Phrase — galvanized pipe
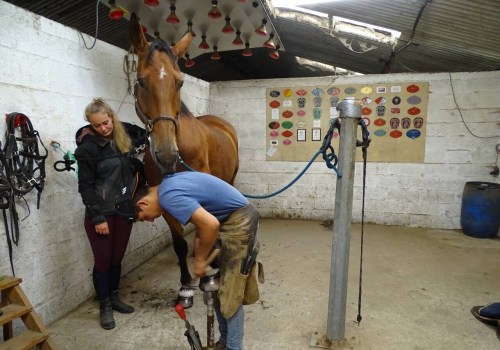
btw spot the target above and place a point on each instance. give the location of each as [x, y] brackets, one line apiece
[210, 321]
[350, 113]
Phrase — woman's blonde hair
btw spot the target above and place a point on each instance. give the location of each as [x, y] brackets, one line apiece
[121, 139]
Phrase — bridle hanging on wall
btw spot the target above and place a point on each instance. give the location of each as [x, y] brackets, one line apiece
[22, 168]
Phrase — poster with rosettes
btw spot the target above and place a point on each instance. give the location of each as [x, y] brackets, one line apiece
[297, 120]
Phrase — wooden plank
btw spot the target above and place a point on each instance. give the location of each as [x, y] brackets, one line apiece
[24, 341]
[33, 322]
[8, 282]
[15, 295]
[12, 311]
[14, 304]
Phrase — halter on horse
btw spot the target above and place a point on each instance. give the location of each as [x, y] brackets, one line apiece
[206, 143]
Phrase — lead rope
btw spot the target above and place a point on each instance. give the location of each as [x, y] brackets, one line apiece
[327, 151]
[364, 151]
[129, 67]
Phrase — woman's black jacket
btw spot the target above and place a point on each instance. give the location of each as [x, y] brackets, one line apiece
[102, 173]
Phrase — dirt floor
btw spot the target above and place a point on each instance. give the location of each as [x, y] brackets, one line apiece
[418, 288]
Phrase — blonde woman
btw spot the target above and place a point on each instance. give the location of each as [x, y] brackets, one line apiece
[103, 171]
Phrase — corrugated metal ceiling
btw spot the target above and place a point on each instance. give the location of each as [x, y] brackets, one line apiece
[451, 35]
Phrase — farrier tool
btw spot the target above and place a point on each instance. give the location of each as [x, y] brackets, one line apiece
[191, 333]
[209, 284]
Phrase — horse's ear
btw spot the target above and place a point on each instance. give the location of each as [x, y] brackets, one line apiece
[182, 45]
[136, 35]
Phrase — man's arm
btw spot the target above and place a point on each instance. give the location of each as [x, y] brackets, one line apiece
[207, 229]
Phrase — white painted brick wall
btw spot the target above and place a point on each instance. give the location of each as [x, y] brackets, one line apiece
[47, 74]
[425, 195]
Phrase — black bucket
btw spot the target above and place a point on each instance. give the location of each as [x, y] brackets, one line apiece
[480, 215]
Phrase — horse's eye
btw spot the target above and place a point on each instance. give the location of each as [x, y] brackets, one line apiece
[141, 83]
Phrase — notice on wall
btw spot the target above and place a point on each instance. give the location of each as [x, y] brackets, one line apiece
[298, 119]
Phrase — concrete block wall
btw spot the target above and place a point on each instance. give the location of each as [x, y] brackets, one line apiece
[48, 74]
[424, 195]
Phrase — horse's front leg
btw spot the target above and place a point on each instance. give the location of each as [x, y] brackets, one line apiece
[180, 248]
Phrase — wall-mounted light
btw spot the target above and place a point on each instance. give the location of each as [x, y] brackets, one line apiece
[261, 30]
[214, 11]
[275, 54]
[237, 40]
[189, 62]
[172, 17]
[116, 12]
[204, 45]
[269, 43]
[227, 27]
[215, 55]
[247, 52]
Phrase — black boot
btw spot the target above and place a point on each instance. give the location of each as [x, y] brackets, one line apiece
[119, 305]
[106, 314]
[114, 282]
[101, 285]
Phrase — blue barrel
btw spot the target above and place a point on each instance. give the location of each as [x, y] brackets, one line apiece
[480, 215]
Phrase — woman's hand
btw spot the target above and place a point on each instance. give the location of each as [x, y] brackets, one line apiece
[102, 228]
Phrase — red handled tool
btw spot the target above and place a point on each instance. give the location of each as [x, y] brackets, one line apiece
[191, 333]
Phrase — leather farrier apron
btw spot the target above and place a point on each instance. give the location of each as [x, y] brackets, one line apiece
[238, 235]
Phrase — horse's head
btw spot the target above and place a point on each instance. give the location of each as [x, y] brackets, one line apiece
[157, 92]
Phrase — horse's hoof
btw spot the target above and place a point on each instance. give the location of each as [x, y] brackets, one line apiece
[185, 297]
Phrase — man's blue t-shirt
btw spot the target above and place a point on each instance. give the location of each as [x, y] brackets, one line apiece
[182, 193]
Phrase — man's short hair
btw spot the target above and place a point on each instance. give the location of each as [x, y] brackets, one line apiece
[139, 194]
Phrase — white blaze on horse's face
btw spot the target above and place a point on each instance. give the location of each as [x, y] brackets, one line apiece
[159, 92]
[162, 72]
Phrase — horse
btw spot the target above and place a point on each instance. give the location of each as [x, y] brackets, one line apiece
[205, 143]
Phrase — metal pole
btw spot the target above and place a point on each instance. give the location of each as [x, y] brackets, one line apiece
[350, 113]
[210, 321]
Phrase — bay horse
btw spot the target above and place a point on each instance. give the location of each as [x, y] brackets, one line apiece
[206, 143]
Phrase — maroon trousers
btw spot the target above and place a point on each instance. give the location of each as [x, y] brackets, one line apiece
[109, 249]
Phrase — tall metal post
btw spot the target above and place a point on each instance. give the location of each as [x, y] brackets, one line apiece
[350, 113]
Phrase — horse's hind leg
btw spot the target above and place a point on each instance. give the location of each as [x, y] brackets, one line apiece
[180, 247]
